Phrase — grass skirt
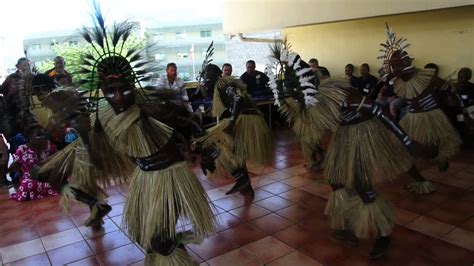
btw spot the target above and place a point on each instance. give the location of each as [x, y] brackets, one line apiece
[251, 140]
[367, 150]
[156, 199]
[335, 208]
[369, 220]
[433, 127]
[178, 258]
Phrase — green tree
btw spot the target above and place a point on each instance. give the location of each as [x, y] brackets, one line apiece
[72, 55]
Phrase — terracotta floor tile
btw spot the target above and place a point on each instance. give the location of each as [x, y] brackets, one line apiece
[268, 249]
[416, 204]
[272, 223]
[430, 227]
[274, 203]
[449, 215]
[50, 215]
[461, 237]
[296, 195]
[117, 220]
[316, 203]
[277, 175]
[226, 221]
[79, 219]
[325, 251]
[78, 208]
[121, 256]
[230, 203]
[295, 258]
[108, 242]
[22, 250]
[117, 209]
[261, 181]
[91, 261]
[234, 258]
[446, 253]
[19, 222]
[281, 165]
[295, 213]
[297, 181]
[249, 212]
[51, 227]
[13, 212]
[20, 235]
[35, 260]
[242, 234]
[261, 194]
[298, 169]
[115, 199]
[276, 188]
[107, 227]
[468, 225]
[213, 246]
[207, 186]
[294, 236]
[217, 193]
[194, 256]
[319, 189]
[403, 216]
[423, 261]
[70, 253]
[61, 239]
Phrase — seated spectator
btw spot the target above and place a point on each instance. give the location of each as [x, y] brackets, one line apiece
[321, 72]
[26, 158]
[367, 84]
[349, 73]
[172, 82]
[59, 72]
[464, 87]
[255, 80]
[227, 70]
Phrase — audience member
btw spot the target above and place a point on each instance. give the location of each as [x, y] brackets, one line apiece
[464, 87]
[321, 72]
[349, 73]
[171, 81]
[226, 70]
[255, 80]
[26, 158]
[367, 84]
[59, 73]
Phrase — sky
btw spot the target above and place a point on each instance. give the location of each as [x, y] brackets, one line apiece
[23, 17]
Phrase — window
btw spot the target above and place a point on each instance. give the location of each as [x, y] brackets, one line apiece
[206, 33]
[182, 55]
[53, 43]
[159, 57]
[180, 35]
[73, 43]
[36, 46]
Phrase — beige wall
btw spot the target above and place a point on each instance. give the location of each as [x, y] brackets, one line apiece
[444, 37]
[246, 16]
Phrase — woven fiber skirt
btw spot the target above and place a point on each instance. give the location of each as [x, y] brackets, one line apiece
[367, 150]
[433, 127]
[156, 200]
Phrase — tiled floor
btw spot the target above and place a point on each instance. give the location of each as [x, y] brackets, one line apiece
[283, 225]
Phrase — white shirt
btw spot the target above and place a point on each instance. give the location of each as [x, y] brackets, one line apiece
[178, 86]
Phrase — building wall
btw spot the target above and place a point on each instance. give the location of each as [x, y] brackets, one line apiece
[444, 37]
[238, 52]
[244, 16]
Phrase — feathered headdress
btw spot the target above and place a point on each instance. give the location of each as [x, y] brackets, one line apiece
[393, 45]
[289, 74]
[108, 60]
